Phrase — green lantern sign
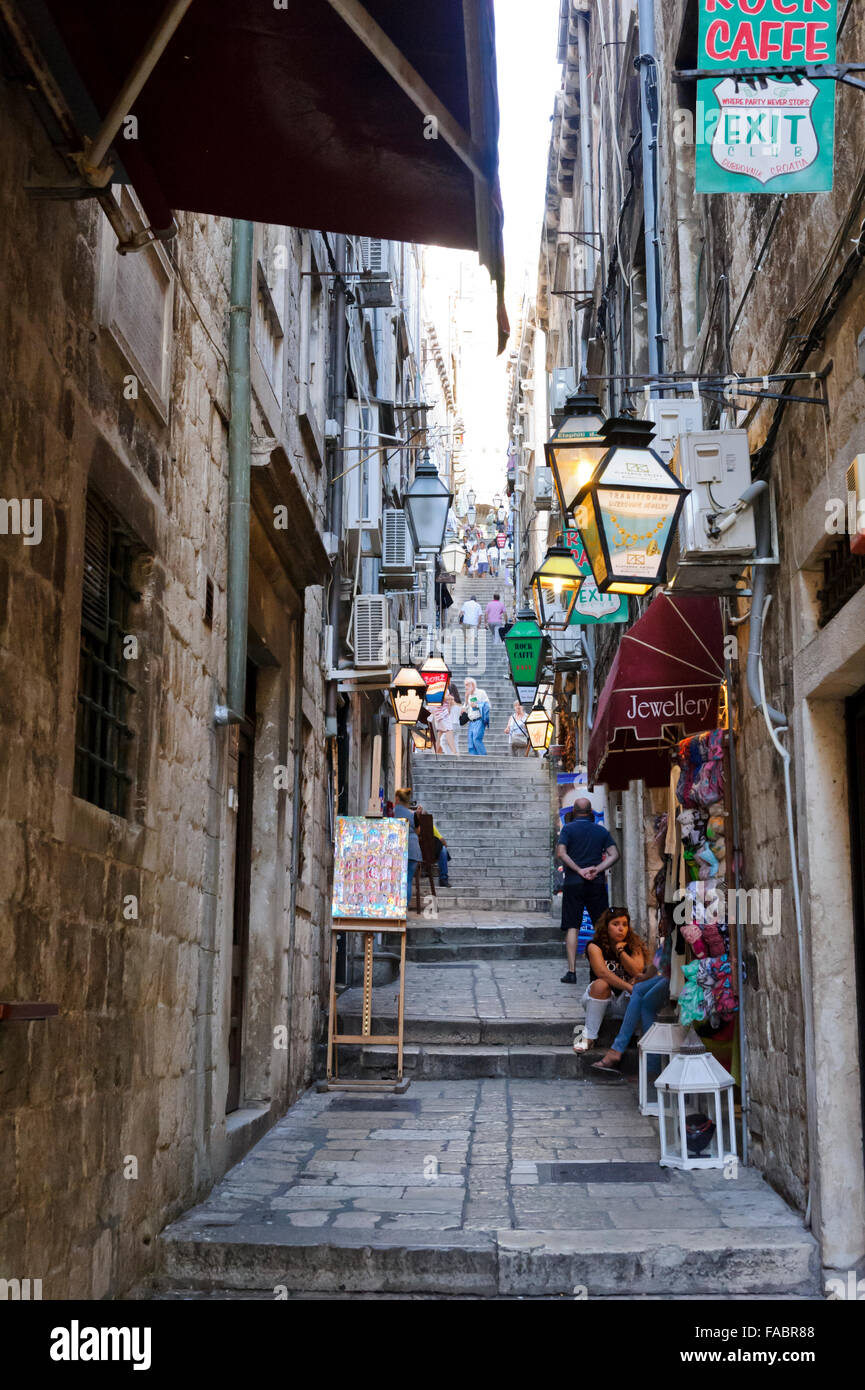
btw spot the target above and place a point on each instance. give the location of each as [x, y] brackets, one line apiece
[524, 644]
[768, 134]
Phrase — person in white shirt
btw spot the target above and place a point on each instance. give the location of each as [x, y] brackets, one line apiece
[471, 612]
[483, 559]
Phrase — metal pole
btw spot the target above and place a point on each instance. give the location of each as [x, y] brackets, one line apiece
[586, 145]
[649, 110]
[238, 470]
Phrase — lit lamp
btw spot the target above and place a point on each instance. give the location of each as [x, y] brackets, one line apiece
[576, 448]
[627, 512]
[539, 727]
[407, 695]
[427, 503]
[436, 674]
[689, 1088]
[421, 737]
[453, 557]
[555, 587]
[524, 644]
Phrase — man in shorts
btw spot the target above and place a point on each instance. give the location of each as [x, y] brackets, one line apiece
[586, 850]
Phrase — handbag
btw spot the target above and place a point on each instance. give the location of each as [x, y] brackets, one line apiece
[464, 719]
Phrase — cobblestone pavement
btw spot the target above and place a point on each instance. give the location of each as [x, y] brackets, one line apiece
[507, 989]
[462, 1157]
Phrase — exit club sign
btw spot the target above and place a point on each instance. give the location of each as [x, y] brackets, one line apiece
[776, 135]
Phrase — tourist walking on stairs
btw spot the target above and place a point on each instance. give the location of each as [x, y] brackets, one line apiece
[587, 850]
[477, 710]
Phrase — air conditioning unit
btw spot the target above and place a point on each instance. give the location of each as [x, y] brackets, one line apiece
[362, 503]
[563, 383]
[856, 504]
[672, 418]
[397, 548]
[544, 489]
[716, 466]
[372, 636]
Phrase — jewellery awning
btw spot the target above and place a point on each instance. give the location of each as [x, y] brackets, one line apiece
[376, 119]
[664, 684]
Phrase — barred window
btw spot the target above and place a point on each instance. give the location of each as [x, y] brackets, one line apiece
[103, 738]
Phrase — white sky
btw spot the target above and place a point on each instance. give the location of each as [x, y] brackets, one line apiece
[528, 76]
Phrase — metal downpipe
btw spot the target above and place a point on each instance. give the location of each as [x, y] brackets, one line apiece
[337, 457]
[649, 98]
[239, 390]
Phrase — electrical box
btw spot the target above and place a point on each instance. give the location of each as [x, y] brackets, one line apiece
[672, 418]
[371, 630]
[563, 383]
[397, 548]
[716, 466]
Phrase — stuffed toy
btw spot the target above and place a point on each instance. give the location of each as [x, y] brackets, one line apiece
[692, 1004]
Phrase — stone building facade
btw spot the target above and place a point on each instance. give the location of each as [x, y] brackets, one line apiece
[750, 285]
[165, 879]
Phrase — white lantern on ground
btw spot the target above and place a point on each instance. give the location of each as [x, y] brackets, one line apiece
[663, 1040]
[689, 1099]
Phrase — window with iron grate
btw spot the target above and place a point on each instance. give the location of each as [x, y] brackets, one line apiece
[103, 738]
[843, 576]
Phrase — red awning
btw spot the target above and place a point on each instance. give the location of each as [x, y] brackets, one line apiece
[663, 684]
[315, 114]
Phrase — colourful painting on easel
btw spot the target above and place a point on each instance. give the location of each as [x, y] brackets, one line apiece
[370, 868]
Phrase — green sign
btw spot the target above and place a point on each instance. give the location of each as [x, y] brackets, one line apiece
[775, 134]
[524, 643]
[591, 606]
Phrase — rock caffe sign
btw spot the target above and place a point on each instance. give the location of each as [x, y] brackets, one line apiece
[776, 137]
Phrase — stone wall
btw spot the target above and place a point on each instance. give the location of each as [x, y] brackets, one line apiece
[113, 1113]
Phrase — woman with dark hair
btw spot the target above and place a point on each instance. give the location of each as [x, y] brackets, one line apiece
[617, 960]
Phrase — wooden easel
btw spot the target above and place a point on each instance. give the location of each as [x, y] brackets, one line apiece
[366, 1036]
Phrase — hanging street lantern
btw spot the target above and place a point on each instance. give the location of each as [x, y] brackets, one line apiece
[555, 587]
[576, 448]
[470, 497]
[421, 737]
[427, 503]
[524, 644]
[407, 695]
[471, 514]
[539, 727]
[627, 513]
[453, 557]
[436, 674]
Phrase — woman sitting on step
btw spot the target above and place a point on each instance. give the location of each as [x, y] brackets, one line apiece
[617, 960]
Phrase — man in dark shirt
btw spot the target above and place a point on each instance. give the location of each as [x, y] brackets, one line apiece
[586, 850]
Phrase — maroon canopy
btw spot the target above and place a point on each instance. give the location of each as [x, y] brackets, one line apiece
[294, 115]
[663, 685]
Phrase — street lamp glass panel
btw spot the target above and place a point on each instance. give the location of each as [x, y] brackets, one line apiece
[576, 449]
[453, 557]
[627, 514]
[540, 728]
[471, 516]
[427, 503]
[555, 587]
[470, 497]
[407, 695]
[436, 675]
[524, 644]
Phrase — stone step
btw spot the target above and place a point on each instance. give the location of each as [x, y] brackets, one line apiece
[450, 899]
[455, 1033]
[421, 934]
[530, 1062]
[514, 950]
[761, 1261]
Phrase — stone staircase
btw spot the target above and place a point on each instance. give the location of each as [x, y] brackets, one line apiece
[493, 811]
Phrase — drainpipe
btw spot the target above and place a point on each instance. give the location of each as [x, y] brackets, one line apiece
[776, 725]
[648, 66]
[240, 309]
[295, 825]
[583, 23]
[337, 464]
